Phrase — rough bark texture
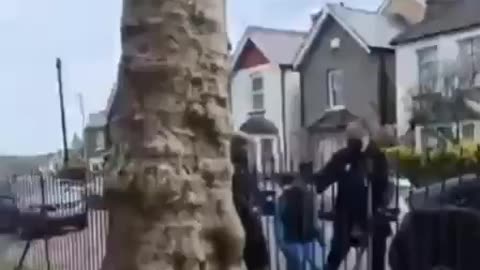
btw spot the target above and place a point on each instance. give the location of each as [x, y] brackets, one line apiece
[168, 183]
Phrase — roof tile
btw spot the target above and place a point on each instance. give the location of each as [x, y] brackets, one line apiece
[457, 15]
[278, 45]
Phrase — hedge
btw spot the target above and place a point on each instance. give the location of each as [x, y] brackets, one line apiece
[435, 165]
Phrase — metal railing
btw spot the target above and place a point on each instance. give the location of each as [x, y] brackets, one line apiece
[417, 203]
[83, 246]
[76, 223]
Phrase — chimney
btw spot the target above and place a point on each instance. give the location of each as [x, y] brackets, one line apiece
[315, 16]
[436, 8]
[413, 11]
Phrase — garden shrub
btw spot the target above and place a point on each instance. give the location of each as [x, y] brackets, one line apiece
[435, 165]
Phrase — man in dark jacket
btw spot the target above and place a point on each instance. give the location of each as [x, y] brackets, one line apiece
[255, 253]
[355, 167]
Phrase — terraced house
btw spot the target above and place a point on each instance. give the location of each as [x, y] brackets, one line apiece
[438, 73]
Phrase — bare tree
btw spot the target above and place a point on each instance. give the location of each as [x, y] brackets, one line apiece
[168, 184]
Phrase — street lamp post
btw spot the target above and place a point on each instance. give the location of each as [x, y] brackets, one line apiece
[62, 111]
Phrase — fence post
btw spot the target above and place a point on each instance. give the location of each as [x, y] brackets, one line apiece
[462, 170]
[477, 161]
[44, 213]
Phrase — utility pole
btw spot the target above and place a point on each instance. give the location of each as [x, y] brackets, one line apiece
[82, 112]
[82, 108]
[62, 111]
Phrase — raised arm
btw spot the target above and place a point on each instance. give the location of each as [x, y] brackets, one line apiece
[328, 175]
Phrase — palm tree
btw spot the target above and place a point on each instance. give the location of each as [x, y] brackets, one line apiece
[168, 185]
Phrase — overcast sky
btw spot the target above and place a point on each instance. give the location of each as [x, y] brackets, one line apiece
[85, 34]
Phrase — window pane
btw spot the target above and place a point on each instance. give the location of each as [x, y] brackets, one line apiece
[424, 137]
[267, 154]
[428, 77]
[258, 101]
[476, 79]
[100, 141]
[335, 87]
[468, 131]
[257, 83]
[465, 47]
[427, 68]
[267, 148]
[447, 132]
[476, 45]
[339, 88]
[427, 55]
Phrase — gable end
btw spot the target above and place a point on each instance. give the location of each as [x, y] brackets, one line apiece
[250, 57]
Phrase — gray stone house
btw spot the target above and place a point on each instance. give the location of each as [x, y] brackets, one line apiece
[347, 71]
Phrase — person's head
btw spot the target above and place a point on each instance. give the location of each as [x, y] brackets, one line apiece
[412, 124]
[357, 135]
[238, 151]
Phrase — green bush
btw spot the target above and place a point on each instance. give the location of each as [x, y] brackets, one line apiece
[436, 165]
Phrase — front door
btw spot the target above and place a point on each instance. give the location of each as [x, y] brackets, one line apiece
[268, 159]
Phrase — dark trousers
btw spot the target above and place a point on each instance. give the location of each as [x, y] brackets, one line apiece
[341, 243]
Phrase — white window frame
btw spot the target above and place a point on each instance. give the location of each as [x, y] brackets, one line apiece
[335, 101]
[465, 123]
[100, 141]
[418, 136]
[275, 148]
[272, 145]
[258, 92]
[419, 130]
[425, 61]
[473, 54]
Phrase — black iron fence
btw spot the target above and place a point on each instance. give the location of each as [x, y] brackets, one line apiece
[56, 223]
[434, 202]
[68, 224]
[315, 254]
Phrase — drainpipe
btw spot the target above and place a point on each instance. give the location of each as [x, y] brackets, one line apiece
[283, 70]
[302, 98]
[383, 95]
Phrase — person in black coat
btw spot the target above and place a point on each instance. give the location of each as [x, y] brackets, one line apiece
[352, 167]
[244, 188]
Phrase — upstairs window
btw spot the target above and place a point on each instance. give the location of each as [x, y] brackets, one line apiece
[258, 102]
[427, 69]
[335, 87]
[100, 141]
[469, 57]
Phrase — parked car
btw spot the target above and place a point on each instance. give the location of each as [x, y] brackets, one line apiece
[65, 210]
[459, 192]
[8, 214]
[442, 228]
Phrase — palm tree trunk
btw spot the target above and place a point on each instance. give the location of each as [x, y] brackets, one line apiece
[168, 183]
